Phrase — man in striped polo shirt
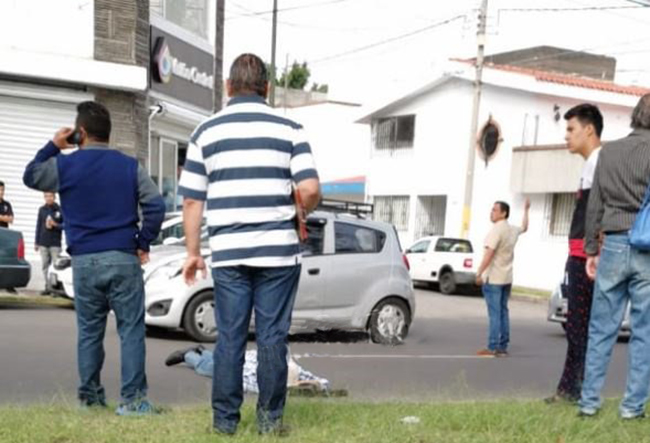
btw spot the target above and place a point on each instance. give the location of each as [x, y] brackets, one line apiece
[243, 163]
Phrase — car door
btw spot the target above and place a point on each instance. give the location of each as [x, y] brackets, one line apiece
[315, 271]
[356, 267]
[417, 257]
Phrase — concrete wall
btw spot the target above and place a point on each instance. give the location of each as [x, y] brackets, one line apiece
[122, 36]
[61, 27]
[340, 146]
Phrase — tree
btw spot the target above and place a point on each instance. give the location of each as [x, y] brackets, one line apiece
[324, 88]
[297, 77]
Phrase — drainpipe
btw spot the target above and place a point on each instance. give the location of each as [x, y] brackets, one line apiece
[157, 109]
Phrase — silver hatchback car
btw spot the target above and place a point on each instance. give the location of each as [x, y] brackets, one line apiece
[354, 277]
[558, 307]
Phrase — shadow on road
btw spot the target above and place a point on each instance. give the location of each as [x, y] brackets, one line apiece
[331, 336]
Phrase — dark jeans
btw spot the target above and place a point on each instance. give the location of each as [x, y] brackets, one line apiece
[496, 298]
[271, 293]
[105, 281]
[579, 291]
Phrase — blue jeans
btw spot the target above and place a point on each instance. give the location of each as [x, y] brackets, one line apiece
[203, 363]
[271, 293]
[496, 298]
[623, 274]
[105, 281]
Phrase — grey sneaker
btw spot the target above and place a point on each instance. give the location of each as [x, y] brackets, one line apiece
[136, 408]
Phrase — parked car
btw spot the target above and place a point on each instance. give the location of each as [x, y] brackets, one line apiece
[448, 262]
[171, 233]
[354, 277]
[558, 306]
[15, 271]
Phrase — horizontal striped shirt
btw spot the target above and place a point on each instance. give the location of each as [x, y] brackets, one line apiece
[620, 182]
[242, 162]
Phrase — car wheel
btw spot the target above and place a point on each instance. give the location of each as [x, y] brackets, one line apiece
[198, 320]
[447, 283]
[389, 322]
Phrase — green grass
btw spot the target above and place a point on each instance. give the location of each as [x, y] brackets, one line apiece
[328, 421]
[531, 292]
[33, 300]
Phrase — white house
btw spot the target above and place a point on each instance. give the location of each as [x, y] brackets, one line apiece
[419, 150]
[339, 145]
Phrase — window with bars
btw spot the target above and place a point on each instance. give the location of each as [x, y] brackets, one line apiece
[393, 133]
[560, 212]
[393, 209]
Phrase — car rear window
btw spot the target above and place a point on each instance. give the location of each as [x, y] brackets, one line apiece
[353, 239]
[453, 245]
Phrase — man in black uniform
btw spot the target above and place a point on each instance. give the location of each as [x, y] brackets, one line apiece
[6, 212]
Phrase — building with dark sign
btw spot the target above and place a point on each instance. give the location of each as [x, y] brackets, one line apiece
[151, 62]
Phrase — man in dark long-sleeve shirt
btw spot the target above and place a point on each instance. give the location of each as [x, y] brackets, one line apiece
[48, 235]
[101, 191]
[622, 273]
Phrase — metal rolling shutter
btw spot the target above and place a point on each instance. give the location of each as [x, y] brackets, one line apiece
[26, 124]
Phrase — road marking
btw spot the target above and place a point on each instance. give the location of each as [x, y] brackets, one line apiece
[397, 356]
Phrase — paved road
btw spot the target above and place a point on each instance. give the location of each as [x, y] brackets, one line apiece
[37, 357]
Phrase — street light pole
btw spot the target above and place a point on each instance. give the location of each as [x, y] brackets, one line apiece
[471, 155]
[275, 29]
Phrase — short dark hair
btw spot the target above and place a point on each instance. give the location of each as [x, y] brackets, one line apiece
[95, 119]
[2, 184]
[641, 113]
[587, 114]
[248, 75]
[505, 207]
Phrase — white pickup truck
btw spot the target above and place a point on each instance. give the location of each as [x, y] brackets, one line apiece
[447, 261]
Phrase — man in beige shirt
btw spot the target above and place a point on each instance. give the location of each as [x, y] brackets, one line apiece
[495, 276]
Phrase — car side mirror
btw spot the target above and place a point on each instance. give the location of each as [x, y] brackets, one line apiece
[408, 251]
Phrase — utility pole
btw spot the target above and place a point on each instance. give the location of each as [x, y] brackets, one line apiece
[471, 155]
[273, 38]
[218, 57]
[286, 82]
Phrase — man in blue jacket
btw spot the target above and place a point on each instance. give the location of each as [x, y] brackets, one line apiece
[101, 190]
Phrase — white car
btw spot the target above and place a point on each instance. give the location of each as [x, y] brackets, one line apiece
[447, 261]
[354, 277]
[171, 233]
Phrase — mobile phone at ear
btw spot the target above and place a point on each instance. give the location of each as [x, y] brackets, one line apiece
[74, 138]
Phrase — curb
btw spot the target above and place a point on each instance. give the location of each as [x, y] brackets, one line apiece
[540, 300]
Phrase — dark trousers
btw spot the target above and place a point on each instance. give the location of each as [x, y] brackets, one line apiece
[579, 290]
[270, 292]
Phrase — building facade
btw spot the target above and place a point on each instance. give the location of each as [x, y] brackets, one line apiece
[152, 64]
[419, 149]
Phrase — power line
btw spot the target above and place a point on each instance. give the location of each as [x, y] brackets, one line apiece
[388, 40]
[584, 8]
[290, 8]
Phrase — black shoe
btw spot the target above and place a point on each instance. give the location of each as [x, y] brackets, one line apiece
[178, 357]
[560, 398]
[45, 292]
[11, 290]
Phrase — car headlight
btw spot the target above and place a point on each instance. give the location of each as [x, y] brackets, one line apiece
[168, 270]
